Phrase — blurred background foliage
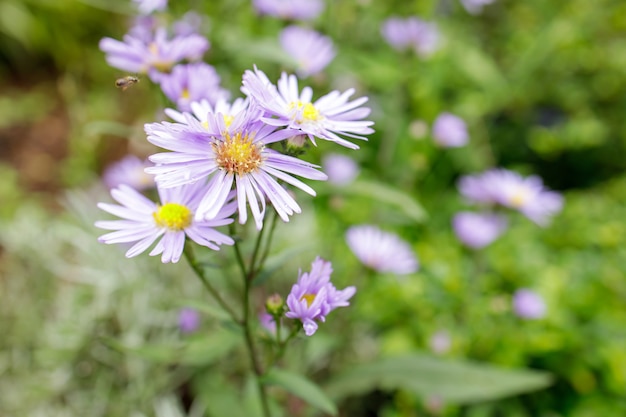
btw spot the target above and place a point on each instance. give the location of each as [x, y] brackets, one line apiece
[542, 86]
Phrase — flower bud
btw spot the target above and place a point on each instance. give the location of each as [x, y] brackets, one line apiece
[275, 305]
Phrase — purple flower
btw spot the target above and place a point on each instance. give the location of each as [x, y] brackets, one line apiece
[202, 109]
[192, 82]
[412, 32]
[144, 28]
[381, 251]
[528, 304]
[188, 25]
[509, 189]
[230, 152]
[450, 131]
[144, 221]
[310, 50]
[475, 6]
[268, 322]
[130, 171]
[188, 320]
[148, 6]
[440, 342]
[477, 230]
[290, 9]
[313, 296]
[154, 57]
[341, 170]
[326, 118]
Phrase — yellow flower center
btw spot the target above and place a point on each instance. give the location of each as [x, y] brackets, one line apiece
[307, 111]
[174, 216]
[237, 154]
[185, 94]
[228, 119]
[309, 299]
[518, 198]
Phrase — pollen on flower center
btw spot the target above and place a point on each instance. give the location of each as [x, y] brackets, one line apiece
[309, 299]
[518, 199]
[173, 216]
[237, 154]
[304, 112]
[185, 94]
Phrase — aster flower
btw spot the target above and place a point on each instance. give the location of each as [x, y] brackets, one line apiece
[326, 118]
[155, 56]
[412, 32]
[268, 322]
[477, 230]
[381, 251]
[201, 110]
[130, 171]
[313, 296]
[189, 24]
[170, 222]
[528, 304]
[192, 82]
[450, 131]
[188, 320]
[475, 6]
[310, 50]
[290, 9]
[341, 170]
[148, 6]
[509, 189]
[230, 152]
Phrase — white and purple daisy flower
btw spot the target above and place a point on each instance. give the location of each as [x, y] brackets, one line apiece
[527, 304]
[192, 82]
[450, 131]
[341, 169]
[477, 230]
[170, 222]
[381, 251]
[326, 118]
[230, 152]
[130, 171]
[412, 32]
[203, 108]
[313, 296]
[188, 320]
[146, 7]
[310, 50]
[509, 189]
[290, 9]
[153, 57]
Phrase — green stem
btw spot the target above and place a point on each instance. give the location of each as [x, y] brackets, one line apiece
[199, 270]
[268, 244]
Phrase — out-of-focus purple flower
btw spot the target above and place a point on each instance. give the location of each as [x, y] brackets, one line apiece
[170, 222]
[290, 9]
[326, 118]
[450, 131]
[143, 28]
[528, 304]
[230, 152]
[412, 32]
[341, 169]
[148, 6]
[188, 25]
[310, 50]
[313, 296]
[509, 189]
[477, 230]
[440, 342]
[188, 320]
[193, 82]
[154, 57]
[381, 251]
[475, 6]
[268, 322]
[130, 171]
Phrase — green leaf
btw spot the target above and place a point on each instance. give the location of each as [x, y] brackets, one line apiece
[195, 351]
[384, 193]
[453, 381]
[302, 388]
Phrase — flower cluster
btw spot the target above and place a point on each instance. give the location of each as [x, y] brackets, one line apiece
[314, 296]
[422, 36]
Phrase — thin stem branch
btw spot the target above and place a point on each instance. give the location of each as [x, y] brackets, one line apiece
[268, 244]
[199, 270]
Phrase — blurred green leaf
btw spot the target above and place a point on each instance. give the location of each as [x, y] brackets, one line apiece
[205, 308]
[302, 388]
[196, 351]
[456, 382]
